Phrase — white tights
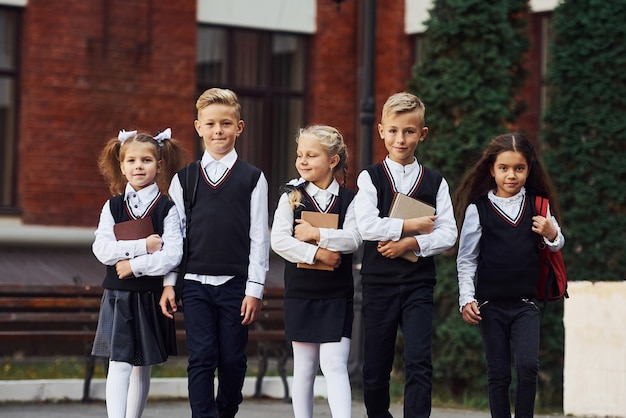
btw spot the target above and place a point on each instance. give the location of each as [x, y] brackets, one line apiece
[127, 388]
[333, 360]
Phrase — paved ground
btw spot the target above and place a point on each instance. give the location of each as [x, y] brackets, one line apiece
[251, 408]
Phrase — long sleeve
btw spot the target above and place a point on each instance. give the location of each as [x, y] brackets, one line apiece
[109, 250]
[345, 240]
[259, 239]
[559, 242]
[165, 260]
[370, 224]
[467, 257]
[176, 194]
[444, 234]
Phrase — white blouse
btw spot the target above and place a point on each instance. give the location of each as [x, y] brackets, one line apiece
[345, 240]
[108, 250]
[467, 257]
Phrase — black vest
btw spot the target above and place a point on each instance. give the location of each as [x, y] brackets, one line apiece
[219, 232]
[382, 270]
[158, 212]
[321, 284]
[508, 263]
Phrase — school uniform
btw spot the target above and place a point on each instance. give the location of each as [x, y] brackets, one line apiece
[131, 327]
[228, 259]
[397, 292]
[498, 268]
[318, 305]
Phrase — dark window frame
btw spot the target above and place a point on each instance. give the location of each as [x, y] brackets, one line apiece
[268, 96]
[8, 184]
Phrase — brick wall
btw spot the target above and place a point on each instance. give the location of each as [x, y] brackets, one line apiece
[336, 66]
[332, 66]
[91, 68]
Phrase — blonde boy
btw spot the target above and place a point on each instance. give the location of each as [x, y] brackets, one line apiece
[397, 292]
[227, 257]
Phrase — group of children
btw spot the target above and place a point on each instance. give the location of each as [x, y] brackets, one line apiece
[226, 254]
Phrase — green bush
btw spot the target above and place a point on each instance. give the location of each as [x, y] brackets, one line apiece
[469, 78]
[584, 138]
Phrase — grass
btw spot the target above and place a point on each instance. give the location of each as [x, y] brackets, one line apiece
[75, 368]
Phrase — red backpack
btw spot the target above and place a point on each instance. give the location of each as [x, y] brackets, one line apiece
[552, 284]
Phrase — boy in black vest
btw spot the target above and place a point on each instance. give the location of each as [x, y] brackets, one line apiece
[397, 292]
[227, 257]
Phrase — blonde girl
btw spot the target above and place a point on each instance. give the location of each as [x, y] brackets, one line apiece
[132, 332]
[318, 303]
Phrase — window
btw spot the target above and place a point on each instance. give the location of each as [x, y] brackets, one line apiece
[8, 81]
[267, 71]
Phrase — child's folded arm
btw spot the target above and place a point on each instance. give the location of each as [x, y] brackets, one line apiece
[370, 225]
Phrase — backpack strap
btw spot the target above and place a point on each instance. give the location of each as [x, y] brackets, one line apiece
[541, 206]
[192, 172]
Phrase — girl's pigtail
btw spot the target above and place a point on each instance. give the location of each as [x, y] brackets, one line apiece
[294, 197]
[109, 166]
[173, 158]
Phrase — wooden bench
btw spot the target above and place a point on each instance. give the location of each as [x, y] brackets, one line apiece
[268, 332]
[45, 320]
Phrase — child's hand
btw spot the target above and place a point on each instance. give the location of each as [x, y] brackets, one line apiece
[154, 243]
[250, 309]
[544, 227]
[393, 249]
[471, 313]
[168, 302]
[304, 231]
[123, 269]
[330, 258]
[422, 225]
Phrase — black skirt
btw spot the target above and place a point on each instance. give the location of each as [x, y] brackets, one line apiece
[132, 328]
[318, 320]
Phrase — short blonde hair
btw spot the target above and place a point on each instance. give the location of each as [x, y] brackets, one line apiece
[403, 103]
[219, 96]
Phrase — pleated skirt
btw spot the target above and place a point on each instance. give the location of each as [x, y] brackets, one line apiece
[132, 329]
[318, 320]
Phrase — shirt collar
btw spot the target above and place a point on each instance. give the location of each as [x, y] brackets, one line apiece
[228, 160]
[333, 189]
[397, 167]
[513, 200]
[144, 195]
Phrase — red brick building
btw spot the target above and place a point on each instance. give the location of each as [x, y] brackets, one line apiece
[74, 72]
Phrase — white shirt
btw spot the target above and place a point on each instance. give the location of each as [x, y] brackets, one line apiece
[373, 227]
[259, 233]
[345, 240]
[471, 232]
[109, 250]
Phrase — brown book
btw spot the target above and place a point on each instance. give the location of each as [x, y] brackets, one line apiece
[134, 229]
[319, 220]
[405, 207]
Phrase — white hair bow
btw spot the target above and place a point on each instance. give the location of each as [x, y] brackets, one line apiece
[162, 136]
[123, 135]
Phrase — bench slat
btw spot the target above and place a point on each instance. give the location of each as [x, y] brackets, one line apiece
[43, 303]
[44, 317]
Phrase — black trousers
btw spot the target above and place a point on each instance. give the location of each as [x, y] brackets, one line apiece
[215, 340]
[508, 329]
[385, 308]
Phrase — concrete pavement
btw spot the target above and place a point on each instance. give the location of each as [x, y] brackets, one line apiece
[250, 408]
